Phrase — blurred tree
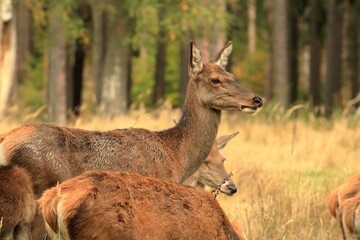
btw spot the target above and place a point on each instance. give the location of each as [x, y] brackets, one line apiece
[15, 38]
[98, 47]
[8, 52]
[281, 53]
[316, 24]
[77, 58]
[333, 55]
[251, 26]
[114, 94]
[160, 65]
[210, 33]
[269, 85]
[57, 64]
[353, 48]
[294, 9]
[23, 20]
[183, 71]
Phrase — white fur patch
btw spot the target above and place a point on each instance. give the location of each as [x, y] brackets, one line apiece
[3, 161]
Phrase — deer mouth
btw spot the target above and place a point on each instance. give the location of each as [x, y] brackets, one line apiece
[248, 109]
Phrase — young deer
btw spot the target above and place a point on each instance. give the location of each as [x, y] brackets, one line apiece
[17, 203]
[51, 153]
[212, 172]
[113, 205]
[343, 205]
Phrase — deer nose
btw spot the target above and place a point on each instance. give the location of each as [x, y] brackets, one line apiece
[232, 189]
[258, 101]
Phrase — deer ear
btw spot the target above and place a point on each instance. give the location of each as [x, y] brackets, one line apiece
[196, 64]
[222, 58]
[223, 140]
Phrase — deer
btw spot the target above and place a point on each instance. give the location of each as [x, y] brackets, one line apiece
[212, 172]
[54, 154]
[17, 203]
[120, 205]
[343, 204]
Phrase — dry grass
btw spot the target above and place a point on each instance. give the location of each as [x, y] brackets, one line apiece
[284, 168]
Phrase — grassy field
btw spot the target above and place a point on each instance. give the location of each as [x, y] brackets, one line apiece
[284, 167]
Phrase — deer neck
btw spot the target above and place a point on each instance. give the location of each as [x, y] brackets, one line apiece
[192, 138]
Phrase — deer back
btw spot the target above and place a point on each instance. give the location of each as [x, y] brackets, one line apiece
[108, 205]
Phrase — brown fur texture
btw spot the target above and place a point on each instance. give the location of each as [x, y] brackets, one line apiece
[53, 154]
[110, 205]
[343, 205]
[17, 203]
[333, 202]
[212, 172]
[238, 228]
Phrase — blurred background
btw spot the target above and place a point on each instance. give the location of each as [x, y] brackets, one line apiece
[71, 57]
[106, 64]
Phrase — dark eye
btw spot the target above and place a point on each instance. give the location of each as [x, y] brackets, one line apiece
[215, 81]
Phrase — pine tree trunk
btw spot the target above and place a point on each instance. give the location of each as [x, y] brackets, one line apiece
[184, 64]
[281, 53]
[77, 76]
[251, 26]
[23, 38]
[353, 49]
[315, 53]
[98, 49]
[333, 56]
[8, 50]
[293, 50]
[161, 45]
[114, 95]
[269, 87]
[210, 43]
[57, 67]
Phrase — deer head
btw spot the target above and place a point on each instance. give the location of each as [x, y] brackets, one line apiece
[217, 88]
[212, 172]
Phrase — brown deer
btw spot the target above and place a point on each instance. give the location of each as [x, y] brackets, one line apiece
[17, 203]
[238, 228]
[53, 154]
[113, 205]
[212, 172]
[343, 205]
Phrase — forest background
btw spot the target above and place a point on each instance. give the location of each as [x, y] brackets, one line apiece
[106, 64]
[61, 58]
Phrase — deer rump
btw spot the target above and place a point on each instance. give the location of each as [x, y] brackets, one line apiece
[109, 205]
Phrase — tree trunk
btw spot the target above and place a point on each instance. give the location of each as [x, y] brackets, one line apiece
[77, 76]
[184, 65]
[293, 50]
[333, 57]
[161, 45]
[251, 26]
[8, 50]
[114, 95]
[315, 53]
[281, 53]
[57, 67]
[269, 87]
[353, 49]
[23, 38]
[98, 49]
[208, 42]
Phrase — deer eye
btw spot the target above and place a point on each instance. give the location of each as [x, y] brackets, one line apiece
[215, 81]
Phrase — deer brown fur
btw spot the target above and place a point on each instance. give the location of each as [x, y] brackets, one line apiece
[212, 172]
[111, 205]
[343, 204]
[17, 203]
[53, 153]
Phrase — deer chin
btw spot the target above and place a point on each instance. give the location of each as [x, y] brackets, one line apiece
[226, 191]
[247, 109]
